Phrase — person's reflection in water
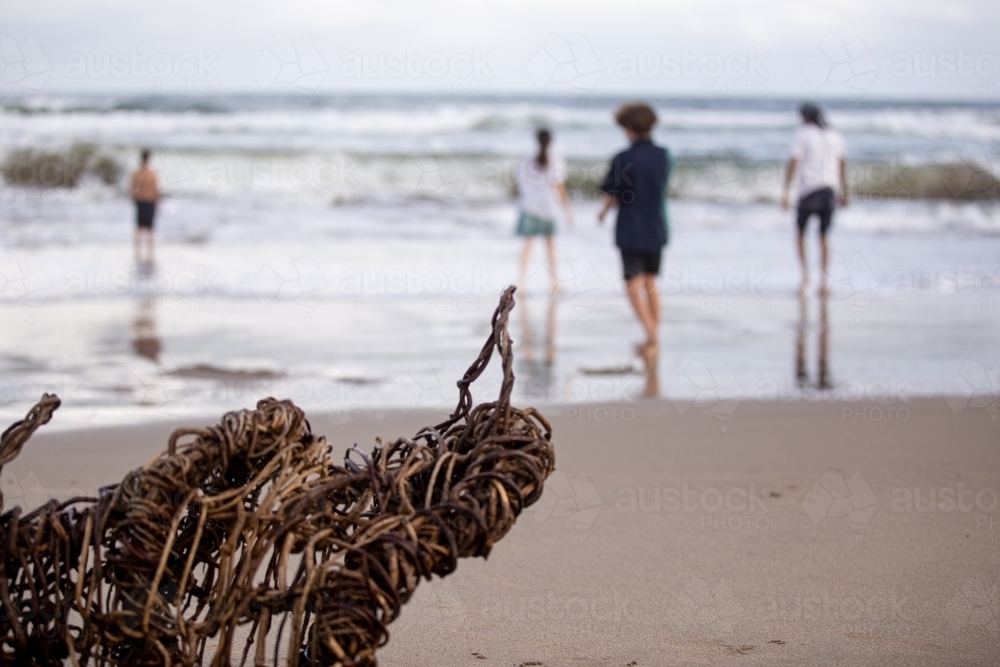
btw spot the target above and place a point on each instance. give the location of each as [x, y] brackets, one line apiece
[822, 345]
[145, 342]
[824, 339]
[538, 355]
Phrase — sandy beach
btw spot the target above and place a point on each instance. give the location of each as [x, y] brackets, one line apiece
[755, 255]
[806, 533]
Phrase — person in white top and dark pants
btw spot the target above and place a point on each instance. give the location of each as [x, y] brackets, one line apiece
[819, 158]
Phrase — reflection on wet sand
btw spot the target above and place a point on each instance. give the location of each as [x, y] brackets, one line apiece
[538, 353]
[145, 342]
[651, 361]
[802, 375]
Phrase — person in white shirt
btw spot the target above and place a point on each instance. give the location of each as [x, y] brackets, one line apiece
[819, 157]
[541, 185]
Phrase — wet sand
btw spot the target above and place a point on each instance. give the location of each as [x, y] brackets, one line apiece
[808, 533]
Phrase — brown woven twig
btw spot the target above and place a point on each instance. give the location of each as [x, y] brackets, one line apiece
[244, 543]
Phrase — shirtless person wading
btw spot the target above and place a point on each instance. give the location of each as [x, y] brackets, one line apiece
[145, 192]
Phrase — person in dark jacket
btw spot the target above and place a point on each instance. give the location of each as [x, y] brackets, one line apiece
[636, 183]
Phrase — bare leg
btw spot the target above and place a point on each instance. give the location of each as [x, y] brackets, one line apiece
[137, 254]
[824, 260]
[641, 307]
[653, 295]
[802, 262]
[525, 256]
[550, 247]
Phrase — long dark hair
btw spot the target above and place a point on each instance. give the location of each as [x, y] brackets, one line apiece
[544, 139]
[813, 114]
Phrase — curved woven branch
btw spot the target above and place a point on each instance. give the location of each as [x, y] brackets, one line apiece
[245, 543]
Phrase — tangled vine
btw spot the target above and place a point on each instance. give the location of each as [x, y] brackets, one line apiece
[244, 541]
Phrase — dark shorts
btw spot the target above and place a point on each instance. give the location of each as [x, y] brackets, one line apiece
[819, 203]
[144, 211]
[640, 263]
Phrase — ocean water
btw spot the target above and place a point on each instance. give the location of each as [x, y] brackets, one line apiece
[347, 252]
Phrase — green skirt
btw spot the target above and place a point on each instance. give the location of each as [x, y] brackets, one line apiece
[529, 225]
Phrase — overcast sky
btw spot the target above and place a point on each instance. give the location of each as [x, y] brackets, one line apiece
[910, 48]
